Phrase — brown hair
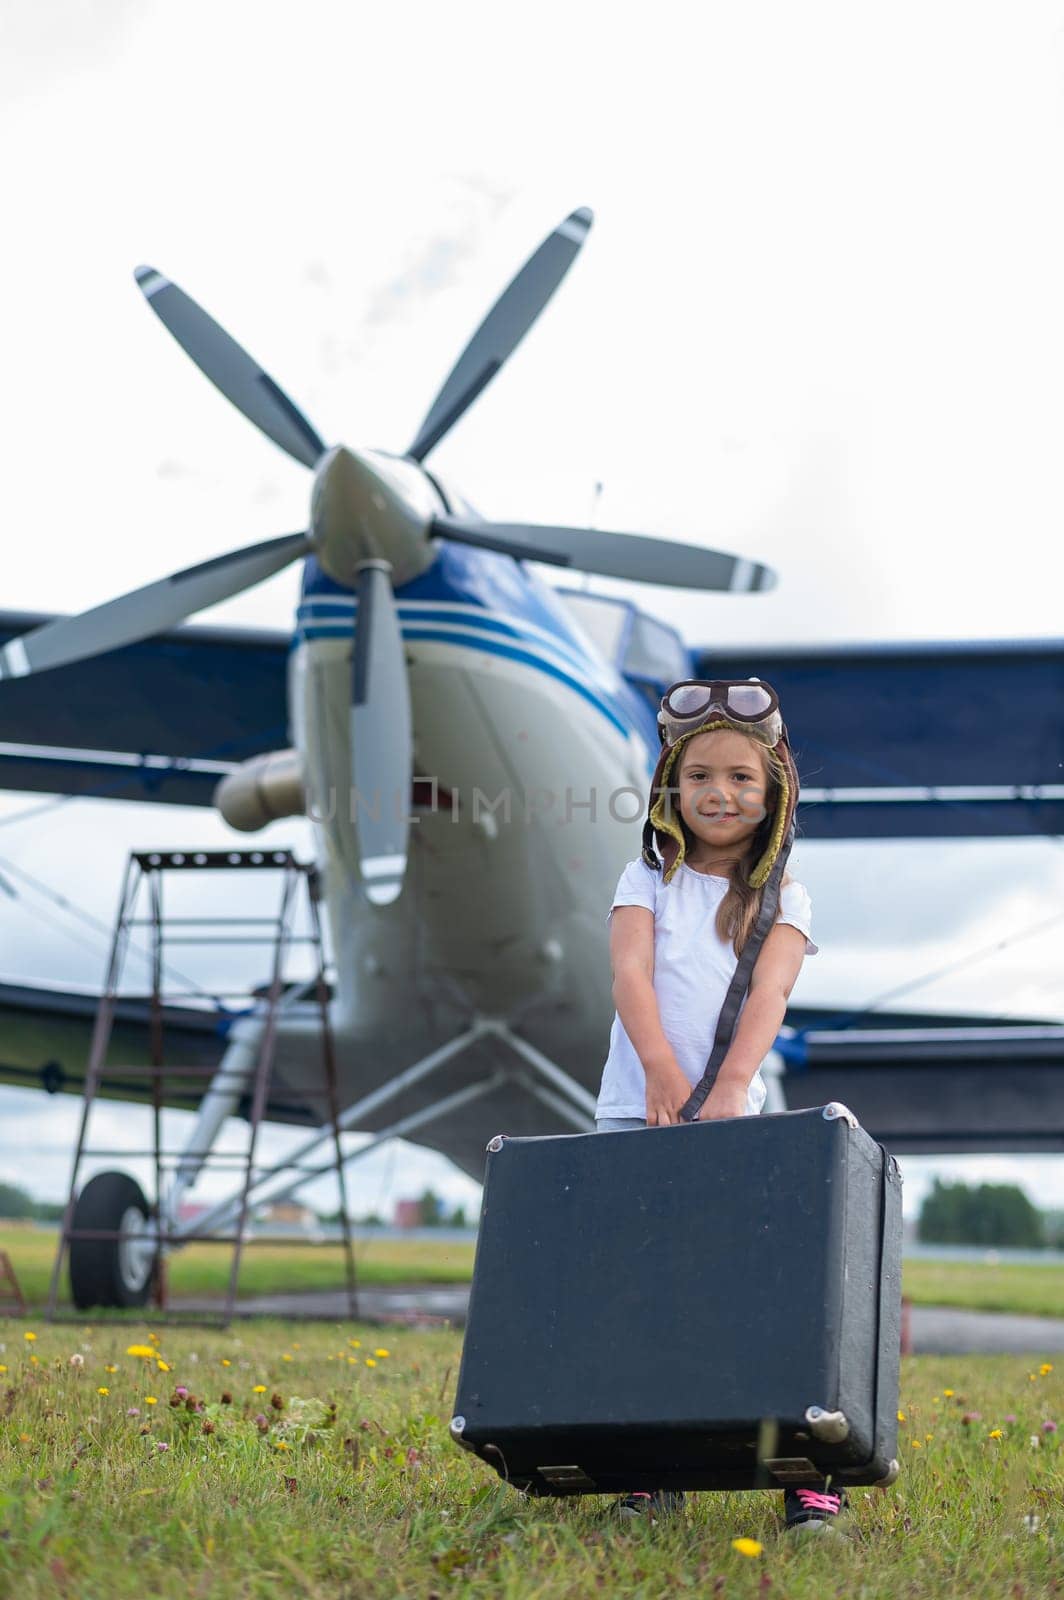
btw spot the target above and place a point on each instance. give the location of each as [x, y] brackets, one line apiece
[738, 911]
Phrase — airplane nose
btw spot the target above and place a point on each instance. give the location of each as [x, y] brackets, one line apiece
[368, 506]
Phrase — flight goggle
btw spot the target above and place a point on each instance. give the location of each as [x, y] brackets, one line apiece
[747, 702]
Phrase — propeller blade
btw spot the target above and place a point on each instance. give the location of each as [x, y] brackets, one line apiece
[503, 329]
[150, 610]
[382, 762]
[230, 368]
[613, 555]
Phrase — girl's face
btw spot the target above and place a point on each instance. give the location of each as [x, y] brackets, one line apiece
[722, 784]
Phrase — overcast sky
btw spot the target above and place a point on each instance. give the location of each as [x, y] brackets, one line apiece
[818, 322]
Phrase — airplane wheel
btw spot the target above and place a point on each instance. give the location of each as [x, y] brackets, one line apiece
[112, 1272]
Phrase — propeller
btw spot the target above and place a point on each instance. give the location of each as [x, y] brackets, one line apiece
[502, 329]
[153, 609]
[363, 510]
[382, 765]
[613, 555]
[230, 368]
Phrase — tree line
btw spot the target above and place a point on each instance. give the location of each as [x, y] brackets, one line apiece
[990, 1214]
[987, 1214]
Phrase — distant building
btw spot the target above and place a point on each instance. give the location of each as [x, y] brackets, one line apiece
[287, 1216]
[407, 1214]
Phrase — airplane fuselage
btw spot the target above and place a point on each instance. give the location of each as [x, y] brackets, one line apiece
[532, 757]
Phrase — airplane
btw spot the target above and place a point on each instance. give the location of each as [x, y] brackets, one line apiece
[473, 747]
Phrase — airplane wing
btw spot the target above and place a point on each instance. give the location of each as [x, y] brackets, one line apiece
[162, 720]
[911, 740]
[1000, 1081]
[46, 1034]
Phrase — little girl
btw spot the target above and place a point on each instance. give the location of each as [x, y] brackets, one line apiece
[721, 809]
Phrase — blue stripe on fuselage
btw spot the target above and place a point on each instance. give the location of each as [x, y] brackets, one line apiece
[497, 583]
[489, 646]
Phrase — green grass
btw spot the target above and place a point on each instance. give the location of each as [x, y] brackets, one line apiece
[1033, 1290]
[204, 1270]
[381, 1504]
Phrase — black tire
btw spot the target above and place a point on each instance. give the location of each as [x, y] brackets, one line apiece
[101, 1270]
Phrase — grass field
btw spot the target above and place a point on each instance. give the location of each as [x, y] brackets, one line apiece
[1005, 1286]
[203, 1269]
[108, 1490]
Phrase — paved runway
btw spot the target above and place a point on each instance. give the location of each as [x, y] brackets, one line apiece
[935, 1330]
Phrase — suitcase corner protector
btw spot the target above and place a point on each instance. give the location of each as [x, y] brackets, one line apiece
[835, 1111]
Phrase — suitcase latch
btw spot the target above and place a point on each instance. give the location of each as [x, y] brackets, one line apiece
[566, 1477]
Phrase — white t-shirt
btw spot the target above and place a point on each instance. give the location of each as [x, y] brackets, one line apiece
[693, 967]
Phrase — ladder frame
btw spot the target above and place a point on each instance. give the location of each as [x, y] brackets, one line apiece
[144, 874]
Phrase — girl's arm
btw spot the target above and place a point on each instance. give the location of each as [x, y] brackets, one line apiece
[632, 964]
[775, 972]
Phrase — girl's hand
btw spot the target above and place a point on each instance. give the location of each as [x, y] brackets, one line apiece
[723, 1100]
[667, 1091]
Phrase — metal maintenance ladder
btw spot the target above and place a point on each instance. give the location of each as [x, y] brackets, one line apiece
[159, 1084]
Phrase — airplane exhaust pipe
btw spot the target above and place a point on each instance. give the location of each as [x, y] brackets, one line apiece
[262, 790]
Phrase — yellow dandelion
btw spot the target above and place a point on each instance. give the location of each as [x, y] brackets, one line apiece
[929, 1437]
[2, 1367]
[143, 1350]
[901, 1416]
[34, 1361]
[356, 1344]
[103, 1391]
[916, 1444]
[370, 1361]
[110, 1369]
[352, 1361]
[747, 1547]
[29, 1337]
[1032, 1377]
[287, 1357]
[282, 1444]
[150, 1400]
[948, 1393]
[1046, 1368]
[24, 1438]
[995, 1433]
[382, 1352]
[162, 1365]
[226, 1363]
[260, 1388]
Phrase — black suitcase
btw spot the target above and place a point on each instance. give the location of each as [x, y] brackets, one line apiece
[710, 1306]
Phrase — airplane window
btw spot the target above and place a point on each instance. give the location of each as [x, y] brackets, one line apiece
[601, 619]
[654, 651]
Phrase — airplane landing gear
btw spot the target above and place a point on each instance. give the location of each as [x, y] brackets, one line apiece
[116, 1271]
